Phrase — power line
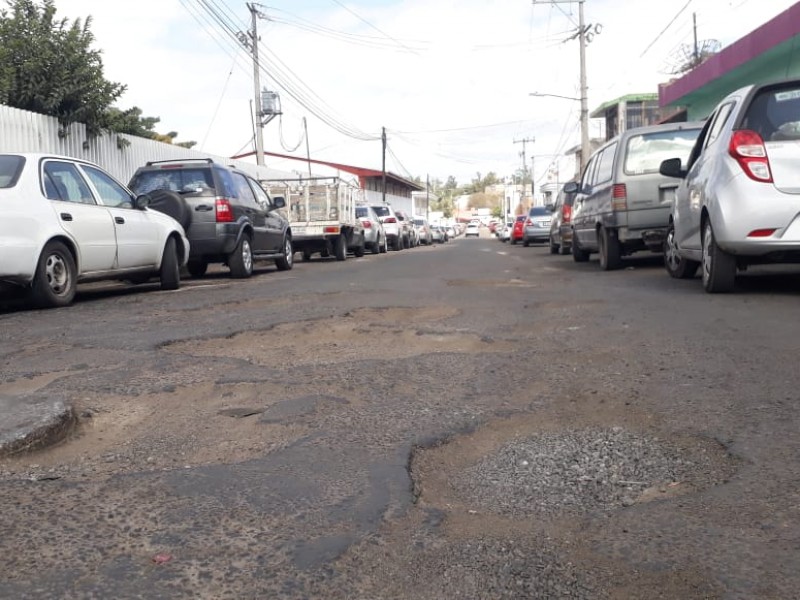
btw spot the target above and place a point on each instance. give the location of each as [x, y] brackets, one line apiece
[359, 17]
[663, 31]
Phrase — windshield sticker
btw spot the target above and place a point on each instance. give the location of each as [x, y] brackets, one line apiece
[784, 96]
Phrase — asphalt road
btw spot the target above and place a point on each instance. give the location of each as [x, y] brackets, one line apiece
[470, 420]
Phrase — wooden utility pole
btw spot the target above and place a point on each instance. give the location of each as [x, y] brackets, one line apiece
[257, 84]
[383, 168]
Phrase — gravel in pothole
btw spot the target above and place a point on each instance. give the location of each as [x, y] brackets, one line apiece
[578, 470]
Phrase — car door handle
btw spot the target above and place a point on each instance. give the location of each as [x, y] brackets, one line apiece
[119, 220]
[66, 217]
[203, 208]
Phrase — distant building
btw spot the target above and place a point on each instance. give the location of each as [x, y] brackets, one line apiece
[632, 110]
[769, 53]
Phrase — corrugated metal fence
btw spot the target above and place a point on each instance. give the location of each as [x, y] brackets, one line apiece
[23, 131]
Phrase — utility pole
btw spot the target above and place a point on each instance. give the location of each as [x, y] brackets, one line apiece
[581, 34]
[525, 141]
[254, 14]
[696, 51]
[427, 198]
[383, 168]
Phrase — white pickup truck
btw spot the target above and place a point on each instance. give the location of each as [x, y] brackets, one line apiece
[322, 215]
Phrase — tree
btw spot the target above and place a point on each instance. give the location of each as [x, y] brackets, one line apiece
[50, 67]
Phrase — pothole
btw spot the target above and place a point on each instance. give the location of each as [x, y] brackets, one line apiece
[580, 470]
[359, 335]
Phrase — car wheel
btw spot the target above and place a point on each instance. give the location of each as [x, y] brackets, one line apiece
[677, 266]
[340, 248]
[171, 204]
[376, 247]
[719, 267]
[512, 241]
[563, 249]
[56, 277]
[170, 273]
[197, 268]
[554, 248]
[240, 262]
[385, 246]
[608, 249]
[398, 244]
[526, 242]
[578, 254]
[286, 262]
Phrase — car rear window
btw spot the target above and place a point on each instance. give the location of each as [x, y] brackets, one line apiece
[539, 211]
[190, 181]
[646, 151]
[361, 212]
[10, 169]
[381, 211]
[520, 218]
[774, 113]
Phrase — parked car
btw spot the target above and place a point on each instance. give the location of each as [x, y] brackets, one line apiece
[227, 215]
[561, 224]
[423, 231]
[622, 202]
[437, 234]
[517, 229]
[738, 202]
[537, 226]
[391, 225]
[472, 229]
[374, 236]
[407, 228]
[505, 231]
[64, 221]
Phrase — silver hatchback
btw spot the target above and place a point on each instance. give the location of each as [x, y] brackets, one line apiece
[739, 199]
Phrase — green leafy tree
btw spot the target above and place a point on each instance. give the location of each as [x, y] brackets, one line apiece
[50, 67]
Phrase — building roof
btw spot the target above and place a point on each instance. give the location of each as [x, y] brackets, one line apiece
[598, 112]
[762, 55]
[361, 172]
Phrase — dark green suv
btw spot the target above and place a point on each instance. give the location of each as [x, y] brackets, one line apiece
[227, 215]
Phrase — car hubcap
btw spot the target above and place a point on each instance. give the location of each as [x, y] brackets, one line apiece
[247, 255]
[671, 254]
[57, 274]
[287, 250]
[708, 240]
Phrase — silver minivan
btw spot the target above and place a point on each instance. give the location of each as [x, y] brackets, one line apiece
[622, 202]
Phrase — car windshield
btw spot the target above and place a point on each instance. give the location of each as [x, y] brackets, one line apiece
[775, 114]
[382, 211]
[10, 168]
[175, 180]
[647, 151]
[539, 211]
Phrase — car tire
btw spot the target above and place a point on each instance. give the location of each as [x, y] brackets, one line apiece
[197, 268]
[240, 261]
[398, 244]
[609, 249]
[170, 273]
[171, 204]
[554, 248]
[385, 246]
[512, 241]
[286, 261]
[563, 249]
[578, 254]
[340, 247]
[375, 247]
[526, 242]
[719, 267]
[677, 266]
[56, 277]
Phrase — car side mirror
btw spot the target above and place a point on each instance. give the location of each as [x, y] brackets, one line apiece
[278, 202]
[141, 201]
[672, 168]
[570, 187]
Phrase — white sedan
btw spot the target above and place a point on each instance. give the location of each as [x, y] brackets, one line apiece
[473, 229]
[65, 221]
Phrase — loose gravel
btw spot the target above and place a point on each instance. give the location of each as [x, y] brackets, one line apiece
[576, 471]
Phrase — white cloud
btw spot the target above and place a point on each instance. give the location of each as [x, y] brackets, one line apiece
[430, 65]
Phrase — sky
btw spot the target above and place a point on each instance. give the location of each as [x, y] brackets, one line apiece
[450, 80]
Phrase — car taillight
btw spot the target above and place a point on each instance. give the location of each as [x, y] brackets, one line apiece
[747, 147]
[619, 197]
[224, 211]
[528, 222]
[367, 224]
[390, 220]
[566, 214]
